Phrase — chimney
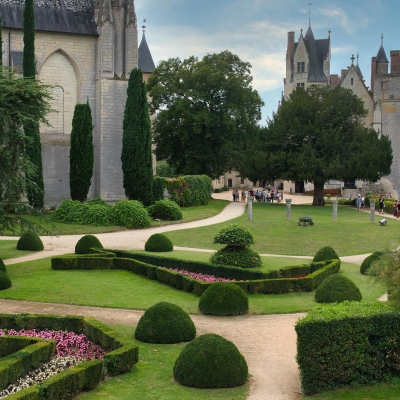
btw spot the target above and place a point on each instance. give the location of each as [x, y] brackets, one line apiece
[334, 80]
[373, 73]
[290, 53]
[395, 62]
[343, 72]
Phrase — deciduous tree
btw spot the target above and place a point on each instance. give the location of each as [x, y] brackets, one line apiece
[35, 193]
[206, 110]
[317, 135]
[81, 156]
[136, 154]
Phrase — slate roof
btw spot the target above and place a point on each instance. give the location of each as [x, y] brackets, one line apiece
[381, 56]
[50, 19]
[317, 52]
[145, 62]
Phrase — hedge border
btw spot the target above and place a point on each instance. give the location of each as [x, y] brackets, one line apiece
[85, 376]
[269, 283]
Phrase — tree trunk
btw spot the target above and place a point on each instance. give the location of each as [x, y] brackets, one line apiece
[318, 194]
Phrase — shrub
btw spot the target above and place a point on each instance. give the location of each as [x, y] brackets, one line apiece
[96, 214]
[222, 298]
[5, 281]
[66, 210]
[158, 243]
[367, 263]
[236, 256]
[165, 210]
[165, 323]
[97, 201]
[305, 218]
[30, 241]
[131, 214]
[85, 243]
[326, 253]
[210, 361]
[2, 266]
[336, 289]
[234, 235]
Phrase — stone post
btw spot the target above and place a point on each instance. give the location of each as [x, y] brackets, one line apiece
[335, 203]
[372, 210]
[288, 208]
[250, 207]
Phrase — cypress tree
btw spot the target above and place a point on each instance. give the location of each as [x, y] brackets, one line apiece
[35, 189]
[136, 156]
[1, 43]
[81, 156]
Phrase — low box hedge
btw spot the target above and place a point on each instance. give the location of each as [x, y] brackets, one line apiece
[269, 282]
[85, 376]
[347, 344]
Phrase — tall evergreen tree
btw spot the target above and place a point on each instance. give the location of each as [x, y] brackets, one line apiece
[1, 43]
[35, 193]
[136, 142]
[81, 156]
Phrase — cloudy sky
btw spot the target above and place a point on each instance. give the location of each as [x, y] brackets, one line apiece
[256, 30]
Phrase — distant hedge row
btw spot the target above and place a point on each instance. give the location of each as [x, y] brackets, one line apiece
[347, 344]
[282, 281]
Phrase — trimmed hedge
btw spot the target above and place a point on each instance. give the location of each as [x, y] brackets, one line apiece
[165, 323]
[224, 299]
[165, 210]
[336, 289]
[158, 243]
[22, 354]
[30, 241]
[131, 214]
[367, 263]
[266, 283]
[210, 361]
[236, 256]
[186, 191]
[85, 243]
[347, 344]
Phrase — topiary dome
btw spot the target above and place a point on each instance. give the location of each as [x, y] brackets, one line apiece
[336, 289]
[5, 281]
[234, 235]
[367, 263]
[165, 210]
[326, 253]
[222, 298]
[210, 361]
[30, 241]
[2, 266]
[85, 243]
[236, 256]
[165, 323]
[158, 243]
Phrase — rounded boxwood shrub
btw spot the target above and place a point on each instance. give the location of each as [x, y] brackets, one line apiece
[336, 289]
[2, 266]
[210, 361]
[326, 253]
[222, 298]
[236, 256]
[97, 201]
[85, 243]
[165, 210]
[5, 281]
[96, 214]
[30, 241]
[131, 214]
[165, 323]
[69, 212]
[234, 235]
[367, 263]
[159, 243]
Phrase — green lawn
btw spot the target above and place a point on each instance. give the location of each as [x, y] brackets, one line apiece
[189, 214]
[8, 249]
[152, 378]
[36, 281]
[273, 234]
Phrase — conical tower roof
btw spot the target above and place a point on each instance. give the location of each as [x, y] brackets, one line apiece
[145, 62]
[381, 56]
[316, 72]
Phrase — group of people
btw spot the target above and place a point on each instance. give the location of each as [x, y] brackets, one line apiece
[360, 203]
[268, 194]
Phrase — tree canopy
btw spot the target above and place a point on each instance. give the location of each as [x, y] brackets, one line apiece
[318, 135]
[207, 112]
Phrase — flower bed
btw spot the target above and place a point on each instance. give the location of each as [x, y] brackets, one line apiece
[201, 277]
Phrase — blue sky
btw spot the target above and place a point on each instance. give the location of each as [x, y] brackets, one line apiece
[256, 30]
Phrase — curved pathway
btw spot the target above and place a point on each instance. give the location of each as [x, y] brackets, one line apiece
[268, 342]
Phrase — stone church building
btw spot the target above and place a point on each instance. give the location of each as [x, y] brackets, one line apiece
[85, 49]
[308, 63]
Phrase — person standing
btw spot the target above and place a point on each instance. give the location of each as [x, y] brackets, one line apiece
[263, 195]
[358, 202]
[243, 195]
[396, 209]
[362, 203]
[381, 204]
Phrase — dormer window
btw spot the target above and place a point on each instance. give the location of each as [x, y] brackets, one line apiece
[301, 66]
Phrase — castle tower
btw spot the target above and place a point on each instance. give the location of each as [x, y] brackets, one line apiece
[117, 55]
